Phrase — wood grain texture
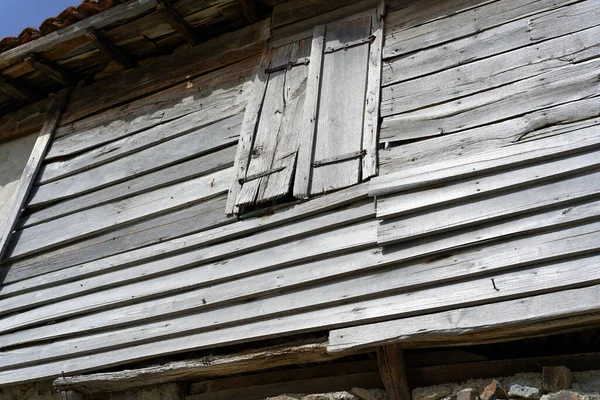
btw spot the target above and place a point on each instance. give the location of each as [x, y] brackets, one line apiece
[9, 220]
[393, 372]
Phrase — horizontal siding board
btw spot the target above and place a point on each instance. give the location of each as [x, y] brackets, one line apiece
[109, 216]
[506, 204]
[490, 42]
[222, 92]
[199, 166]
[460, 265]
[194, 143]
[471, 188]
[556, 87]
[521, 283]
[101, 262]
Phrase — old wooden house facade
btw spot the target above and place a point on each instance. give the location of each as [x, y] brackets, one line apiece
[254, 176]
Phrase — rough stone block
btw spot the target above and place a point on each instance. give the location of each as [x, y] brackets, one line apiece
[562, 395]
[493, 391]
[523, 392]
[433, 392]
[556, 379]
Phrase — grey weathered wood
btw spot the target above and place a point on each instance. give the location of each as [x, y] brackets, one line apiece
[206, 367]
[47, 42]
[52, 266]
[109, 49]
[50, 70]
[372, 101]
[489, 42]
[213, 93]
[177, 22]
[552, 88]
[308, 123]
[393, 372]
[195, 167]
[9, 220]
[558, 121]
[251, 116]
[119, 292]
[530, 316]
[489, 73]
[551, 278]
[276, 139]
[464, 190]
[168, 149]
[508, 156]
[109, 216]
[341, 106]
[503, 205]
[71, 395]
[463, 24]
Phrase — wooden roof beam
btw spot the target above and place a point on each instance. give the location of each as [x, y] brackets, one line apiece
[393, 372]
[251, 11]
[108, 48]
[14, 90]
[50, 69]
[177, 22]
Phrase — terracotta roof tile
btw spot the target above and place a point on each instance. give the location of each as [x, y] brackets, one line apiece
[69, 16]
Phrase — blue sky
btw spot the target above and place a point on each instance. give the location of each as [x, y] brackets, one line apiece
[18, 14]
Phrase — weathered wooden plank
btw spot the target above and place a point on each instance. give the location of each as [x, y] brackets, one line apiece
[224, 50]
[556, 121]
[505, 204]
[165, 152]
[103, 261]
[177, 22]
[185, 170]
[517, 284]
[17, 91]
[511, 156]
[197, 217]
[309, 116]
[393, 372]
[180, 280]
[216, 93]
[50, 70]
[109, 216]
[463, 24]
[555, 87]
[251, 117]
[489, 42]
[47, 42]
[207, 367]
[408, 14]
[31, 169]
[473, 324]
[341, 106]
[372, 101]
[24, 121]
[476, 187]
[251, 10]
[110, 50]
[489, 73]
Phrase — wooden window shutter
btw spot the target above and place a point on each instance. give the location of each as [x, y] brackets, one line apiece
[339, 128]
[267, 151]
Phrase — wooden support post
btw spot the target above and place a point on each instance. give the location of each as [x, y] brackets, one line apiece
[251, 11]
[71, 395]
[108, 48]
[165, 9]
[393, 372]
[31, 169]
[49, 69]
[15, 91]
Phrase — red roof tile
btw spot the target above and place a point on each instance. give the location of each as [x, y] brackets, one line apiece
[69, 16]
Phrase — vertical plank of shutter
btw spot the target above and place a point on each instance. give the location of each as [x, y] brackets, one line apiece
[242, 156]
[371, 121]
[309, 116]
[268, 129]
[341, 105]
[286, 148]
[32, 167]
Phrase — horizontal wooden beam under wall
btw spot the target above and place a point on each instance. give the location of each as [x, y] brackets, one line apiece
[15, 91]
[177, 22]
[50, 69]
[209, 366]
[108, 48]
[251, 11]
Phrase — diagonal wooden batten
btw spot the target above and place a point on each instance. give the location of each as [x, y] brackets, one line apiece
[177, 22]
[15, 91]
[251, 10]
[33, 165]
[108, 48]
[51, 70]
